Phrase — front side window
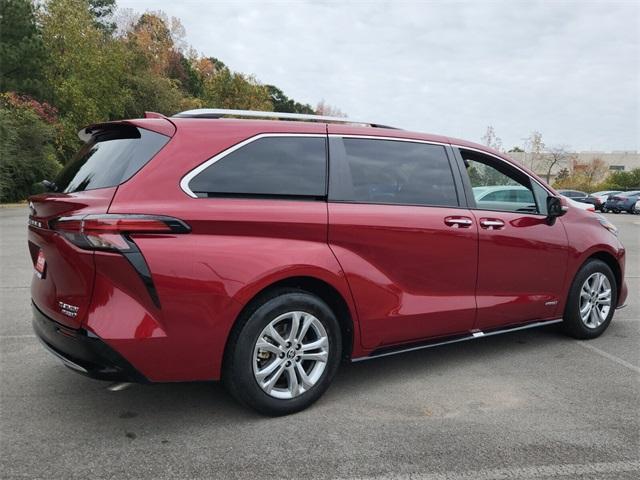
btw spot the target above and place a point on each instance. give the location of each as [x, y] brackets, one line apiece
[497, 186]
[390, 172]
[270, 166]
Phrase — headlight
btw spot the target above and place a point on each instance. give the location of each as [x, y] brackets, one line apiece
[607, 224]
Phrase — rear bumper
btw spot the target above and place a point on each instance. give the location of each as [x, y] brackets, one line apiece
[82, 351]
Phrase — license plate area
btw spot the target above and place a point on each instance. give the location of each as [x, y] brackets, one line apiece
[41, 265]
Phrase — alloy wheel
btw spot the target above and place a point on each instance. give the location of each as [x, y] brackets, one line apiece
[290, 355]
[595, 300]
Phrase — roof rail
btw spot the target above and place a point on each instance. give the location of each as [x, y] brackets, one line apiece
[221, 112]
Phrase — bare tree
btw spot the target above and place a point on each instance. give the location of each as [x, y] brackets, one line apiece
[535, 146]
[555, 157]
[490, 139]
[324, 108]
[583, 176]
[595, 170]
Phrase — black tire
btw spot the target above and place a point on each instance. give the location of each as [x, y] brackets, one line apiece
[238, 375]
[573, 324]
[615, 211]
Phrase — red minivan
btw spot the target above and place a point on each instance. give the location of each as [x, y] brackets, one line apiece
[264, 252]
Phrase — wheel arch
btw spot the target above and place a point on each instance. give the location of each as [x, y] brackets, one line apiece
[612, 263]
[313, 285]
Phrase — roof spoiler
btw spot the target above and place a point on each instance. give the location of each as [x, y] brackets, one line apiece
[150, 122]
[155, 115]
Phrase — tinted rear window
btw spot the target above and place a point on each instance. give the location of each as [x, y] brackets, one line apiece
[389, 171]
[109, 158]
[270, 166]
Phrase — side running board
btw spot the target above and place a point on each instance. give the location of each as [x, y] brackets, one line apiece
[386, 351]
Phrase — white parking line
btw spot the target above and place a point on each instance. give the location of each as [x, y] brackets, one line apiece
[29, 335]
[542, 471]
[613, 358]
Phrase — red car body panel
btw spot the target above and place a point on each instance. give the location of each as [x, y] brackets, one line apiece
[585, 240]
[412, 276]
[237, 247]
[521, 270]
[70, 270]
[403, 273]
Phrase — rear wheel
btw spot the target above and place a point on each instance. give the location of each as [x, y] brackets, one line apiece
[284, 353]
[591, 302]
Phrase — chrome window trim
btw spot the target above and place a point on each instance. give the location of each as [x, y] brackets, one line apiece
[381, 137]
[433, 142]
[184, 182]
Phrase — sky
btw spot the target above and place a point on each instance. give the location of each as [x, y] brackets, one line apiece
[569, 69]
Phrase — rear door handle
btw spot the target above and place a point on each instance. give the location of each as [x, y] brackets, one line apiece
[491, 223]
[458, 222]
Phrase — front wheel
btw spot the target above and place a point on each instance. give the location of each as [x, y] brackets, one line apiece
[592, 301]
[284, 353]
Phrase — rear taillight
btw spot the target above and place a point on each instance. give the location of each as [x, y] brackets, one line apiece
[111, 231]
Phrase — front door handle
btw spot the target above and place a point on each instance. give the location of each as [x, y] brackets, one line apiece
[458, 222]
[491, 223]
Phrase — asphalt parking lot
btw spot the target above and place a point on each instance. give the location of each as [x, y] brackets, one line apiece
[530, 404]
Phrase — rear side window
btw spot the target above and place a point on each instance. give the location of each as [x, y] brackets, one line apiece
[293, 166]
[109, 158]
[390, 172]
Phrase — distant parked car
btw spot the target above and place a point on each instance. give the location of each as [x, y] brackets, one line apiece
[623, 202]
[578, 196]
[603, 195]
[580, 205]
[515, 197]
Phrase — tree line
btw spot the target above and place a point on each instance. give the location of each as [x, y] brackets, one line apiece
[65, 64]
[588, 176]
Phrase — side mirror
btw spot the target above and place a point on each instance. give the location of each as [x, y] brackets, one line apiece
[555, 209]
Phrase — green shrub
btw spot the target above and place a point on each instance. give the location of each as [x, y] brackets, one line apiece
[621, 180]
[27, 155]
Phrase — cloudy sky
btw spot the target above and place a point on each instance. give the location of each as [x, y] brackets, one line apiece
[568, 69]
